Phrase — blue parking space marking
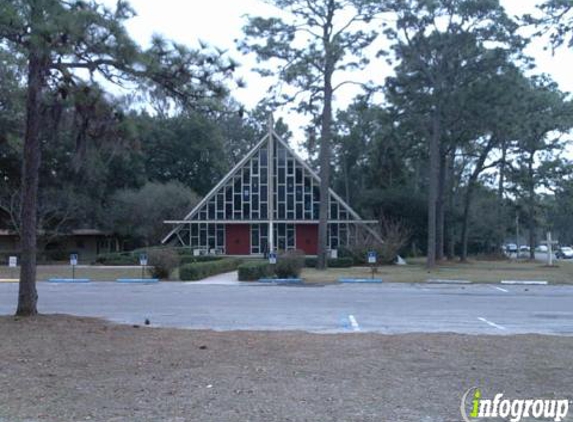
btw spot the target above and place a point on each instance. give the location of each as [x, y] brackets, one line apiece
[360, 280]
[137, 280]
[69, 280]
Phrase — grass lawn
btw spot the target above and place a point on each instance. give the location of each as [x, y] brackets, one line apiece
[476, 271]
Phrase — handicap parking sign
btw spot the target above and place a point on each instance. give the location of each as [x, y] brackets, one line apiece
[74, 259]
[273, 257]
[143, 259]
[372, 257]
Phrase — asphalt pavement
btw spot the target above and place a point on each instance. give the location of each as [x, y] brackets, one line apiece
[385, 308]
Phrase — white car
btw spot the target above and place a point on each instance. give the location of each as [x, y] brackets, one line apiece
[510, 248]
[541, 248]
[566, 252]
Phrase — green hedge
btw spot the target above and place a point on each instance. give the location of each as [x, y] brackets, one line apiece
[187, 259]
[184, 252]
[123, 258]
[253, 270]
[200, 270]
[344, 262]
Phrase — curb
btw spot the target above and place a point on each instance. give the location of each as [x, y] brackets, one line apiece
[444, 281]
[137, 280]
[525, 282]
[69, 280]
[9, 280]
[360, 280]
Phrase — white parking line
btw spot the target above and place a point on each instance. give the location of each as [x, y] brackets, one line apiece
[500, 289]
[492, 324]
[353, 323]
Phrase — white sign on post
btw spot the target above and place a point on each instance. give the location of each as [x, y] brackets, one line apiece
[143, 259]
[13, 261]
[273, 258]
[74, 259]
[372, 257]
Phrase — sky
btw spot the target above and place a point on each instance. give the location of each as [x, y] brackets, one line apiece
[219, 23]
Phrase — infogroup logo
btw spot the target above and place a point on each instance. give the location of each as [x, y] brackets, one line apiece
[474, 407]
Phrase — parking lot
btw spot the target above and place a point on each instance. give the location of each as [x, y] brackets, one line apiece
[389, 308]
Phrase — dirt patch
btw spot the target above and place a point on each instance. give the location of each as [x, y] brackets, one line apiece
[61, 368]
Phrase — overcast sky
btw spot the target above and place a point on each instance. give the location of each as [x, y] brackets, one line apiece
[220, 22]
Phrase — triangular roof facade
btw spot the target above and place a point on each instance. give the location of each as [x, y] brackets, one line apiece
[242, 196]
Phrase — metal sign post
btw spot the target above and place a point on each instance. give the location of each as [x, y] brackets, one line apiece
[272, 258]
[73, 263]
[372, 261]
[143, 263]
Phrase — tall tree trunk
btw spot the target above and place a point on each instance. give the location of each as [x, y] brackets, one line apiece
[28, 295]
[479, 167]
[441, 208]
[325, 141]
[531, 206]
[433, 182]
[451, 252]
[500, 205]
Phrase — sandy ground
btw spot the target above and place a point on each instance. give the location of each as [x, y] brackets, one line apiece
[61, 369]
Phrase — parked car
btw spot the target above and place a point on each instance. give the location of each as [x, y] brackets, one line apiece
[524, 248]
[510, 248]
[541, 248]
[566, 252]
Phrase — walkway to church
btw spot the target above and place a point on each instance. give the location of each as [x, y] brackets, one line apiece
[222, 303]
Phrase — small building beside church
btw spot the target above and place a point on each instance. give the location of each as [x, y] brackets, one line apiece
[87, 243]
[269, 201]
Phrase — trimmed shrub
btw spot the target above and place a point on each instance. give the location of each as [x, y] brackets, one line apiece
[200, 270]
[122, 258]
[184, 251]
[162, 262]
[289, 264]
[344, 262]
[253, 270]
[188, 259]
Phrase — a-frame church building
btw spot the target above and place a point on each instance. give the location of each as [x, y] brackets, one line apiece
[269, 201]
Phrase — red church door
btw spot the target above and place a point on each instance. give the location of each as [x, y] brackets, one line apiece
[238, 239]
[307, 238]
